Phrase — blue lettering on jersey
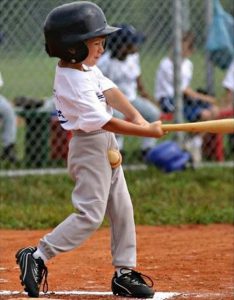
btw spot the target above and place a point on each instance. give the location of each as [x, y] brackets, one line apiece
[101, 97]
[61, 117]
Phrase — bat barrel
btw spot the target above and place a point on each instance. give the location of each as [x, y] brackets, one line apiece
[214, 126]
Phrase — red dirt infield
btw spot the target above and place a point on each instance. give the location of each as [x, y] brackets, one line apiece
[196, 261]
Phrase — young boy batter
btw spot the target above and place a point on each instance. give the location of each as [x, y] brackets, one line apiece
[84, 99]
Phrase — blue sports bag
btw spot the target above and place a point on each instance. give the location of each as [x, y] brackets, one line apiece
[168, 156]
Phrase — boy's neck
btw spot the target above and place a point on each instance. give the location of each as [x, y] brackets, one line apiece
[65, 64]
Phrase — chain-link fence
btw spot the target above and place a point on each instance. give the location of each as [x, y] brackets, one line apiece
[28, 73]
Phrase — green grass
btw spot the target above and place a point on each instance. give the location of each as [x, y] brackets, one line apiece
[199, 196]
[27, 74]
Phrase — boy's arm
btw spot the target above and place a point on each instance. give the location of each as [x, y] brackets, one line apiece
[117, 100]
[127, 128]
[135, 124]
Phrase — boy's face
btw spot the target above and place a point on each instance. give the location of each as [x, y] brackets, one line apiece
[96, 48]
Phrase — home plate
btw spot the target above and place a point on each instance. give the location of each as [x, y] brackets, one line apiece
[157, 295]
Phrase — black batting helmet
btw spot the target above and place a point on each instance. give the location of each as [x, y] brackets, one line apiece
[69, 25]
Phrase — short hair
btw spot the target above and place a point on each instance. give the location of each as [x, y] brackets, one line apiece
[189, 38]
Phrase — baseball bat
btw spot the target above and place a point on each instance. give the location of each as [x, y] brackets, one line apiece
[215, 126]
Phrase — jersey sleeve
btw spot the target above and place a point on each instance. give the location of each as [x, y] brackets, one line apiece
[164, 79]
[228, 81]
[92, 112]
[187, 74]
[105, 83]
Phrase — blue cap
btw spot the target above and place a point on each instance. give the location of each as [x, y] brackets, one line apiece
[126, 35]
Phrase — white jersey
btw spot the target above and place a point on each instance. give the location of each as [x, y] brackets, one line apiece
[228, 81]
[164, 78]
[79, 99]
[123, 73]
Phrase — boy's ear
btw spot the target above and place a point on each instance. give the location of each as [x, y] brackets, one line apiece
[71, 50]
[78, 53]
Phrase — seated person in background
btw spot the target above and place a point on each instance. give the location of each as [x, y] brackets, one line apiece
[228, 85]
[121, 64]
[8, 123]
[197, 106]
[228, 99]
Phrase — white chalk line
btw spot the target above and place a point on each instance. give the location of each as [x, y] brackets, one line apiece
[203, 295]
[157, 295]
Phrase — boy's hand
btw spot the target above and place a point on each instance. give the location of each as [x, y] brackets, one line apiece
[155, 127]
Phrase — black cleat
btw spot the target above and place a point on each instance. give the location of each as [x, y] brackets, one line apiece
[32, 271]
[132, 284]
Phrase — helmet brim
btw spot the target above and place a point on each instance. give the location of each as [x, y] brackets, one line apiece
[101, 32]
[109, 30]
[73, 38]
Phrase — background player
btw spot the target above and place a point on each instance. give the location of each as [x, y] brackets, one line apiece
[228, 98]
[84, 99]
[9, 128]
[198, 106]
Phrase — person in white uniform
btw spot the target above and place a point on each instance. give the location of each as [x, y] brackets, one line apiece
[228, 85]
[197, 105]
[228, 98]
[84, 100]
[121, 64]
[9, 128]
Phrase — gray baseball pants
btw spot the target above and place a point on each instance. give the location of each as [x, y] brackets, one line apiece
[99, 191]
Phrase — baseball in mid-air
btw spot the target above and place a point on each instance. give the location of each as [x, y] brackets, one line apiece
[115, 158]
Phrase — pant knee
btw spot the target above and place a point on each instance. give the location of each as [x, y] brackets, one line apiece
[91, 216]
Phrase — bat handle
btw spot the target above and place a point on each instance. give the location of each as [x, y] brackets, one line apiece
[172, 127]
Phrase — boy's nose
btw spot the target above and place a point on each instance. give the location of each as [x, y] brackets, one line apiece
[102, 48]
